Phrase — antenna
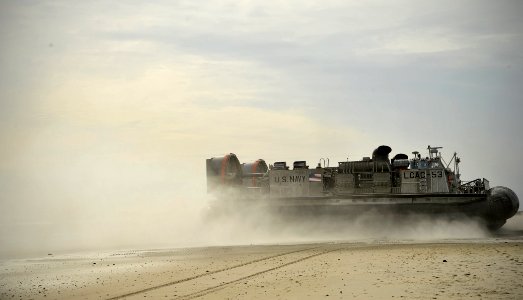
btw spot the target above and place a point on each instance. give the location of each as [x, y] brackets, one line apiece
[453, 157]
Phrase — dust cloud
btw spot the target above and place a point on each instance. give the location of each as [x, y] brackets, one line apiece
[236, 221]
[98, 204]
[203, 220]
[94, 202]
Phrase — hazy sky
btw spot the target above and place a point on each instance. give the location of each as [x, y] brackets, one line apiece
[108, 109]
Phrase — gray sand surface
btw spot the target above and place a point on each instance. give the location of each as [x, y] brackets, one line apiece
[490, 267]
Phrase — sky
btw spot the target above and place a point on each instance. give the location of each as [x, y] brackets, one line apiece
[108, 110]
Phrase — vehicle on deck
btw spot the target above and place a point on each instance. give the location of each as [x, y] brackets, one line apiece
[419, 185]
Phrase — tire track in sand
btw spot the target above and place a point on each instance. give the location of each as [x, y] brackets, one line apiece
[218, 287]
[209, 273]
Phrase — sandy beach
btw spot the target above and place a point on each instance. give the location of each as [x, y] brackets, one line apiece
[490, 268]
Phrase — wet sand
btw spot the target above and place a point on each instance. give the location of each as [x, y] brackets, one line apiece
[490, 268]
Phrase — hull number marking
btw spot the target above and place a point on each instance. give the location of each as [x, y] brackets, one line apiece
[423, 174]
